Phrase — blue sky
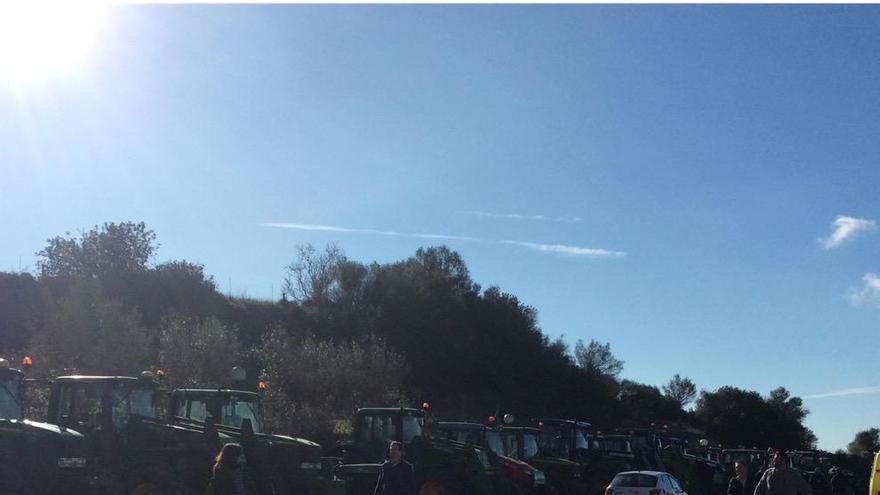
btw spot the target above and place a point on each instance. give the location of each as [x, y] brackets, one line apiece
[685, 162]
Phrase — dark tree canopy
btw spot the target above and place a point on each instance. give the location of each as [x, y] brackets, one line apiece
[734, 416]
[680, 389]
[111, 249]
[865, 443]
[597, 358]
[644, 404]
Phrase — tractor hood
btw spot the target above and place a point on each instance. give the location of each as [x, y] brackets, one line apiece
[38, 428]
[286, 440]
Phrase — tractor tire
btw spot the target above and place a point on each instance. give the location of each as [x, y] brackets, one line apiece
[548, 489]
[439, 482]
[159, 486]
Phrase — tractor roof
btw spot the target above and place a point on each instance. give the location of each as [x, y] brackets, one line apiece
[556, 421]
[214, 391]
[390, 410]
[101, 379]
[460, 425]
[10, 372]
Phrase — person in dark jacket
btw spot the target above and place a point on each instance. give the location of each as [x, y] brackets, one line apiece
[839, 482]
[227, 478]
[818, 481]
[743, 483]
[396, 476]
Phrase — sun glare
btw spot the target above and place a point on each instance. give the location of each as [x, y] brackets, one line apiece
[44, 39]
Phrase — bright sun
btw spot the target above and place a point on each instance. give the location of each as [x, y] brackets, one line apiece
[43, 39]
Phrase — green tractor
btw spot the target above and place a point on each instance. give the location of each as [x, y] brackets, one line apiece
[563, 476]
[142, 454]
[283, 464]
[39, 458]
[442, 467]
[571, 440]
[515, 477]
[659, 451]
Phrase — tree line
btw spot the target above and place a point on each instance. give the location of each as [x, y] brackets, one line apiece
[347, 334]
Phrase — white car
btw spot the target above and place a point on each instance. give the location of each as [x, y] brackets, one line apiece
[644, 483]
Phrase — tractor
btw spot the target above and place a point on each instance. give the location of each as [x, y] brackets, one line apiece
[283, 464]
[442, 467]
[39, 458]
[515, 476]
[142, 454]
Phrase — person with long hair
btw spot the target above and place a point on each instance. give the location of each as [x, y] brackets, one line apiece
[227, 478]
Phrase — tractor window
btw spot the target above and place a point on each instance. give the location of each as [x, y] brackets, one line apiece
[554, 441]
[495, 443]
[238, 409]
[412, 427]
[580, 439]
[131, 401]
[384, 427]
[530, 446]
[80, 407]
[192, 409]
[10, 402]
[512, 447]
[465, 436]
[371, 428]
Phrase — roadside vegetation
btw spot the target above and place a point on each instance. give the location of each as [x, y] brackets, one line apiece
[346, 334]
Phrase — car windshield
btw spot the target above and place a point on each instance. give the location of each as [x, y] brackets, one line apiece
[372, 427]
[635, 480]
[10, 402]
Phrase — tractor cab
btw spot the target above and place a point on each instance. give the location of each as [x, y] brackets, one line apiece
[441, 465]
[228, 408]
[566, 439]
[11, 384]
[92, 404]
[502, 447]
[39, 458]
[386, 424]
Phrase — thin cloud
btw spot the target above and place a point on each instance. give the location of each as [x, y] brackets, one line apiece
[868, 293]
[333, 228]
[328, 228]
[569, 250]
[544, 248]
[845, 392]
[517, 216]
[845, 229]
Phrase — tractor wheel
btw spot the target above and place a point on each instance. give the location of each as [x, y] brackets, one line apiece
[147, 489]
[548, 489]
[439, 483]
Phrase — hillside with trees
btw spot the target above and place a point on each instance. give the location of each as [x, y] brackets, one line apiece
[347, 334]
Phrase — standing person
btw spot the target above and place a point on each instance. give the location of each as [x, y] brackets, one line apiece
[396, 476]
[227, 478]
[743, 483]
[839, 482]
[781, 479]
[818, 481]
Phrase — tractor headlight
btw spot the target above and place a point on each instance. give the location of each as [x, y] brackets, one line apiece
[310, 465]
[540, 479]
[71, 462]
